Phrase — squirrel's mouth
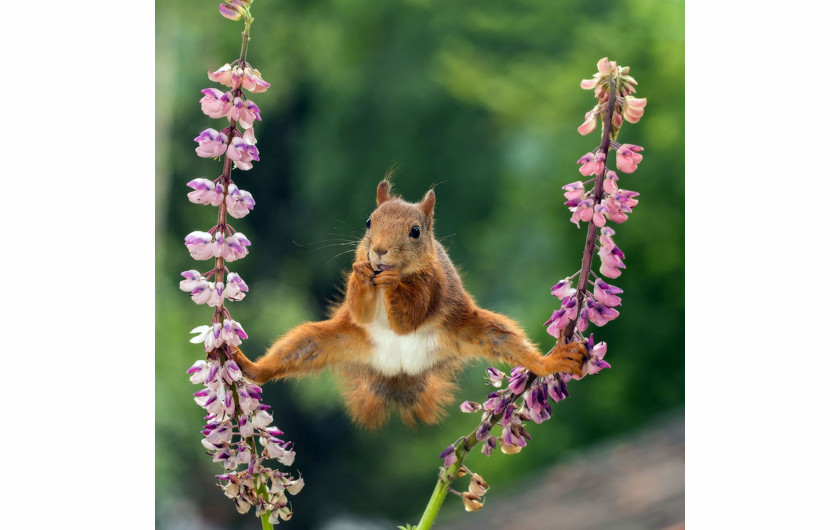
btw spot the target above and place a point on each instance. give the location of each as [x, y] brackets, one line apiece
[382, 267]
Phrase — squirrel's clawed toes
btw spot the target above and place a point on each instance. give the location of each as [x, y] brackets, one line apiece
[569, 358]
[388, 277]
[364, 270]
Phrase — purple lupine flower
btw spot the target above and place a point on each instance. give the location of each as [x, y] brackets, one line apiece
[483, 431]
[215, 103]
[192, 279]
[239, 202]
[206, 192]
[236, 287]
[495, 377]
[211, 143]
[232, 332]
[235, 247]
[245, 112]
[449, 456]
[556, 387]
[607, 294]
[563, 288]
[489, 446]
[495, 403]
[518, 378]
[470, 406]
[596, 361]
[242, 152]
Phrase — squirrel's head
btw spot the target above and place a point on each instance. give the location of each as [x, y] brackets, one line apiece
[399, 233]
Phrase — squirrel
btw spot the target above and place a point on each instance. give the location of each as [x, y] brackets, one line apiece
[405, 327]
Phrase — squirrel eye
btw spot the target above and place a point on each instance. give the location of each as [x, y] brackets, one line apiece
[367, 223]
[415, 232]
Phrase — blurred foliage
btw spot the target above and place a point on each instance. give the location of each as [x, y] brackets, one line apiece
[480, 99]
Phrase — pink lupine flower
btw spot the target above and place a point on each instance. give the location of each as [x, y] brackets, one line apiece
[606, 66]
[628, 198]
[206, 192]
[239, 202]
[598, 313]
[589, 120]
[605, 239]
[211, 143]
[617, 212]
[593, 164]
[235, 288]
[563, 288]
[607, 294]
[235, 247]
[611, 182]
[201, 293]
[233, 9]
[249, 136]
[253, 81]
[588, 84]
[199, 245]
[610, 262]
[599, 215]
[574, 192]
[223, 75]
[215, 103]
[627, 157]
[242, 153]
[245, 112]
[634, 108]
[582, 212]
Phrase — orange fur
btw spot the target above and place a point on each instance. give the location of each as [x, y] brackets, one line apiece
[424, 304]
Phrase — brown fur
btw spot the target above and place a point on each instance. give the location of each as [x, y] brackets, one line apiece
[421, 288]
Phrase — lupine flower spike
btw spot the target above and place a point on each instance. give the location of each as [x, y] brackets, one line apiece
[585, 297]
[236, 419]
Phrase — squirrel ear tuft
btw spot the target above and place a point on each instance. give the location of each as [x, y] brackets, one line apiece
[383, 192]
[428, 203]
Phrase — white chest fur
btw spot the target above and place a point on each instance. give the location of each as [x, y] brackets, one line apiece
[411, 353]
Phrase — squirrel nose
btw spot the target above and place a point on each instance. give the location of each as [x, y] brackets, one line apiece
[380, 251]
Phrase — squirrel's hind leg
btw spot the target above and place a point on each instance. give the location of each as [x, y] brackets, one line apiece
[496, 337]
[306, 349]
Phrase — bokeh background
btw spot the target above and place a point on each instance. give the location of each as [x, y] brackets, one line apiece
[480, 99]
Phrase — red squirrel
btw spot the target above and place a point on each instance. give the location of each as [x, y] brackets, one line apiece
[406, 325]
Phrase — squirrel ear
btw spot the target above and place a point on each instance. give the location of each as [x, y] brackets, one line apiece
[383, 192]
[428, 203]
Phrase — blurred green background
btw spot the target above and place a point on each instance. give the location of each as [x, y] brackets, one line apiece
[481, 99]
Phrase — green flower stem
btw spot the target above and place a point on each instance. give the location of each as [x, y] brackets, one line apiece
[462, 447]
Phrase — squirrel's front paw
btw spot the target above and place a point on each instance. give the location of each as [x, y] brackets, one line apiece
[364, 271]
[389, 277]
[568, 358]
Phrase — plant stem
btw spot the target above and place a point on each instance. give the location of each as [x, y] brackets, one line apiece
[462, 447]
[597, 195]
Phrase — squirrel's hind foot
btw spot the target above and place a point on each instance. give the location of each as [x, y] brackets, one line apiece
[567, 358]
